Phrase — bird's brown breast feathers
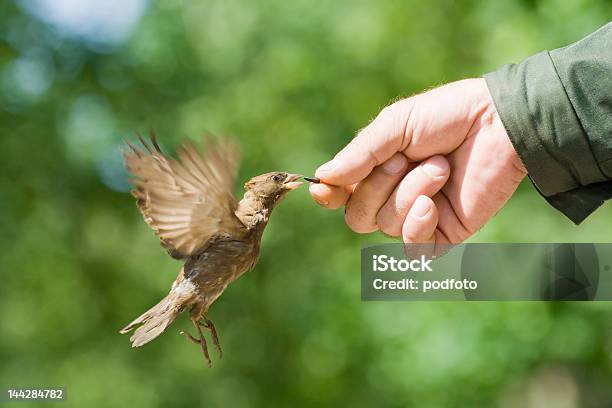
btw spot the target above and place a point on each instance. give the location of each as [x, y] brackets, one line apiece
[219, 264]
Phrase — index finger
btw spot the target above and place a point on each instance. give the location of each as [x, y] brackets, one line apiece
[329, 196]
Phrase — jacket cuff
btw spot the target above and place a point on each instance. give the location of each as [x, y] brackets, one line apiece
[579, 203]
[545, 131]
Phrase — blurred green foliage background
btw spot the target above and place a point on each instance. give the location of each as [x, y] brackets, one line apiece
[292, 80]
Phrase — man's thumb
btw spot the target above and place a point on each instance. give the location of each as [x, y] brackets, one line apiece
[373, 145]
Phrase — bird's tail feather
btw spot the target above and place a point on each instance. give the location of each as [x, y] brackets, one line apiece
[155, 320]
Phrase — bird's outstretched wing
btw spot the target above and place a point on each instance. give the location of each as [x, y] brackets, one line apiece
[186, 201]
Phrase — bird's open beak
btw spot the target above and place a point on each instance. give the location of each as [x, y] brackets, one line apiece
[291, 183]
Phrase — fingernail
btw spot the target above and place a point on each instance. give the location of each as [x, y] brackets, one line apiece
[395, 165]
[436, 168]
[321, 202]
[421, 207]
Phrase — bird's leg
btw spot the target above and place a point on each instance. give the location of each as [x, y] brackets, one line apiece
[213, 333]
[201, 341]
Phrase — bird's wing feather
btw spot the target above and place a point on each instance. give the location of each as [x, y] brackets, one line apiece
[186, 201]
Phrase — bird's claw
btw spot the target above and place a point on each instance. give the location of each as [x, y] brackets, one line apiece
[201, 341]
[189, 337]
[213, 333]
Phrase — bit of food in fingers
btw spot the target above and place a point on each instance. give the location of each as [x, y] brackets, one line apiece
[313, 179]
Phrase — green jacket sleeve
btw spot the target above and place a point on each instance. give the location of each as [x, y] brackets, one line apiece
[557, 109]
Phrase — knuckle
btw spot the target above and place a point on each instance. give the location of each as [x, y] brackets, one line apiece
[363, 144]
[356, 218]
[388, 111]
[364, 134]
[398, 107]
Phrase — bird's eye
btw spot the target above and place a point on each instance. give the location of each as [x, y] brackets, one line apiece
[276, 178]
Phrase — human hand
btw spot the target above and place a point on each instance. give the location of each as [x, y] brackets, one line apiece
[432, 168]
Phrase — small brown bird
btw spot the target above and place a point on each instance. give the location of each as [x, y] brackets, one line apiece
[190, 205]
